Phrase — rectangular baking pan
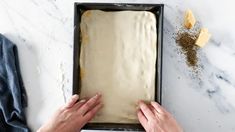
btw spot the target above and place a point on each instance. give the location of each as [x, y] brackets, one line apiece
[79, 8]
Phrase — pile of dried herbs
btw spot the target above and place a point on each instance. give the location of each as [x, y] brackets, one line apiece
[186, 41]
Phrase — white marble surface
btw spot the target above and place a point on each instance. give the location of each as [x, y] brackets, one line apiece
[43, 32]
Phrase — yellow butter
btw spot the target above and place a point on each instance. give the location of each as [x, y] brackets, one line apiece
[189, 19]
[203, 37]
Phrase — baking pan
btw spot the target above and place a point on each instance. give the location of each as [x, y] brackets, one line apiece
[79, 8]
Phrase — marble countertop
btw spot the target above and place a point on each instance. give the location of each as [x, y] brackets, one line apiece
[43, 32]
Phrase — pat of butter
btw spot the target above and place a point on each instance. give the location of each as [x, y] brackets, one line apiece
[203, 37]
[189, 19]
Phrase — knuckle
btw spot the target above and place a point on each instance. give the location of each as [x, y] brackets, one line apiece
[87, 105]
[92, 102]
[165, 116]
[145, 108]
[154, 122]
[66, 111]
[90, 114]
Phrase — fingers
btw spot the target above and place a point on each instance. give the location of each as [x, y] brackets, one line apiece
[146, 110]
[154, 111]
[90, 114]
[90, 104]
[79, 104]
[158, 108]
[142, 119]
[72, 101]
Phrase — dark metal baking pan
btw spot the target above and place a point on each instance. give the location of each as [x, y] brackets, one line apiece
[79, 8]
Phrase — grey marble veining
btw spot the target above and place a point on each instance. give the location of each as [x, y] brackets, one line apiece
[43, 32]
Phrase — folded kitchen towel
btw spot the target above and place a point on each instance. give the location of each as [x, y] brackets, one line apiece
[12, 93]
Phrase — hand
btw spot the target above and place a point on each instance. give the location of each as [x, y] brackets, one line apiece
[155, 118]
[73, 115]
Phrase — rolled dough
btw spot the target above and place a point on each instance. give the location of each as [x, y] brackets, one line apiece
[117, 59]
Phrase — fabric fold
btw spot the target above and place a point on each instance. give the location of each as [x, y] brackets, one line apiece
[13, 97]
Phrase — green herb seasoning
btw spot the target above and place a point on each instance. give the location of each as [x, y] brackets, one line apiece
[187, 43]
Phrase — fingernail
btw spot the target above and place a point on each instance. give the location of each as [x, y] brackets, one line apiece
[83, 100]
[137, 110]
[97, 95]
[140, 102]
[137, 107]
[137, 104]
[75, 96]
